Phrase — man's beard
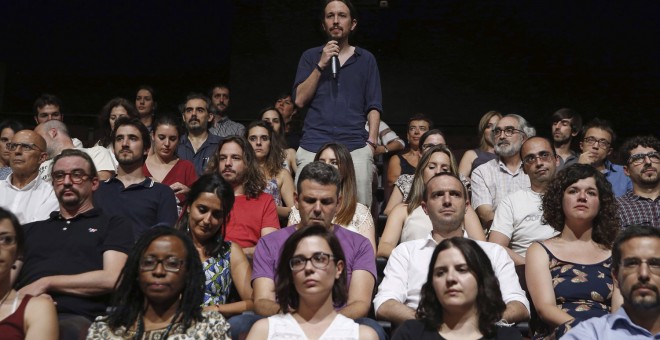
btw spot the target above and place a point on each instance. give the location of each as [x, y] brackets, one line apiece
[645, 302]
[504, 150]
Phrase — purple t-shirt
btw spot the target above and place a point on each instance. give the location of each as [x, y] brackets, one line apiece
[357, 250]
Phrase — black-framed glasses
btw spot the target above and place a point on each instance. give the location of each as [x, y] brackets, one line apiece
[544, 156]
[633, 264]
[7, 240]
[509, 131]
[77, 176]
[602, 143]
[430, 145]
[638, 158]
[319, 260]
[170, 264]
[23, 146]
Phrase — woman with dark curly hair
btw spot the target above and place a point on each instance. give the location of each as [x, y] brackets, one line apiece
[159, 293]
[461, 298]
[569, 276]
[311, 282]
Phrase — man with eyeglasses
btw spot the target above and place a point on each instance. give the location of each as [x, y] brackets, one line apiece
[76, 254]
[197, 144]
[518, 219]
[57, 138]
[636, 271]
[566, 125]
[317, 199]
[596, 145]
[48, 107]
[497, 178]
[23, 192]
[642, 204]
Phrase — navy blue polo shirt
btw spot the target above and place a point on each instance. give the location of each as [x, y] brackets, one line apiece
[200, 158]
[58, 246]
[144, 204]
[338, 111]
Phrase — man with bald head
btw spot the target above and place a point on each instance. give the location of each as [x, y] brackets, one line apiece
[58, 139]
[23, 192]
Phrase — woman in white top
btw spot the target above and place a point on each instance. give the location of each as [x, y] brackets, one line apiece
[407, 221]
[351, 215]
[311, 282]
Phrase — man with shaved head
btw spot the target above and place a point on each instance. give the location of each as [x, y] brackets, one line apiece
[23, 192]
[58, 139]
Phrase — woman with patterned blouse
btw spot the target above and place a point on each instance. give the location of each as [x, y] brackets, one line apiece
[224, 263]
[569, 276]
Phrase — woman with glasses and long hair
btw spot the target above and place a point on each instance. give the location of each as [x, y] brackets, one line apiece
[351, 214]
[461, 298]
[270, 156]
[310, 284]
[486, 150]
[21, 316]
[569, 276]
[163, 165]
[159, 293]
[225, 266]
[408, 221]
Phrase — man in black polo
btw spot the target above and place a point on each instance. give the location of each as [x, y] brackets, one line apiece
[76, 255]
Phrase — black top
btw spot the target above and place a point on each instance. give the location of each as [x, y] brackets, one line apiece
[414, 329]
[58, 246]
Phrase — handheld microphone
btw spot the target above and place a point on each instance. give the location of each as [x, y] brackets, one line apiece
[335, 66]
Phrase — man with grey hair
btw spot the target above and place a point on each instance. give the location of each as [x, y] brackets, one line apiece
[494, 180]
[58, 139]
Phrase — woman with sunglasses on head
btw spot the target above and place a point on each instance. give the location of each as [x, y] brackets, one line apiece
[21, 316]
[569, 276]
[310, 283]
[224, 263]
[159, 294]
[408, 221]
[351, 214]
[270, 155]
[461, 298]
[404, 182]
[163, 165]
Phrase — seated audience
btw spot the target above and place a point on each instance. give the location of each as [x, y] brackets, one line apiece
[311, 254]
[404, 182]
[111, 111]
[23, 192]
[406, 161]
[351, 214]
[21, 316]
[143, 201]
[518, 221]
[74, 256]
[146, 105]
[254, 214]
[7, 130]
[566, 125]
[445, 201]
[636, 270]
[159, 294]
[225, 266]
[499, 177]
[270, 156]
[461, 298]
[48, 107]
[642, 204]
[408, 221]
[486, 150]
[569, 277]
[164, 165]
[276, 120]
[596, 145]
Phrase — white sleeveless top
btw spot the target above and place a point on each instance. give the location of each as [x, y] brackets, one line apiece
[284, 326]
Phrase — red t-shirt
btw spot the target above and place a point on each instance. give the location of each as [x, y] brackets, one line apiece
[248, 217]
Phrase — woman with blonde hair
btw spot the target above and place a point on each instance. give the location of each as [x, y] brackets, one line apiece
[486, 150]
[407, 221]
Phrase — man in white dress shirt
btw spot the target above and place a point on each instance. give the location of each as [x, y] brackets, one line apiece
[444, 200]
